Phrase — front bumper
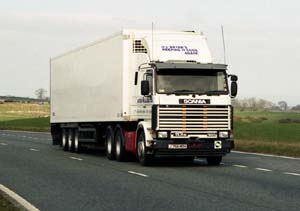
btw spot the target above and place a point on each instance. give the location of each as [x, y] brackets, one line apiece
[199, 148]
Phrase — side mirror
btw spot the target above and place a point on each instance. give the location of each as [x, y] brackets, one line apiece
[234, 86]
[234, 89]
[233, 77]
[145, 87]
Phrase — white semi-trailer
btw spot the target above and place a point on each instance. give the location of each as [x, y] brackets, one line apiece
[150, 94]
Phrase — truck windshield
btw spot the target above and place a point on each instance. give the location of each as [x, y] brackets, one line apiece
[191, 81]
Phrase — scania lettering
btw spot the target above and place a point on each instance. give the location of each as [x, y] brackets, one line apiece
[193, 101]
[150, 94]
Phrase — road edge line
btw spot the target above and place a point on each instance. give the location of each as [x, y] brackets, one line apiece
[18, 199]
[265, 155]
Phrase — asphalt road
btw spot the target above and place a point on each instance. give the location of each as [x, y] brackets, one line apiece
[52, 179]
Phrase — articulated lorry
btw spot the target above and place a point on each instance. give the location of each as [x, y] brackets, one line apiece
[151, 94]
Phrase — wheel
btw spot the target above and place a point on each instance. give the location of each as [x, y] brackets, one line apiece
[110, 143]
[144, 158]
[77, 147]
[120, 145]
[71, 140]
[214, 161]
[64, 140]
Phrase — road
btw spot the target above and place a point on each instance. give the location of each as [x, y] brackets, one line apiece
[52, 179]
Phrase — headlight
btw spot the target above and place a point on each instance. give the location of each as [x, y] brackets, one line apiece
[223, 134]
[162, 134]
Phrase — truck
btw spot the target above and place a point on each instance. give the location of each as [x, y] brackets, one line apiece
[147, 93]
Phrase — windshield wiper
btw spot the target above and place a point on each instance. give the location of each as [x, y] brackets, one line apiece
[183, 91]
[215, 92]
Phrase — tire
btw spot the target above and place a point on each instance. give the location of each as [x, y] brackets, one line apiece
[214, 161]
[64, 143]
[110, 143]
[120, 145]
[144, 158]
[71, 140]
[77, 146]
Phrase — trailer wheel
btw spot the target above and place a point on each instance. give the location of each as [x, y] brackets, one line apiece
[71, 140]
[144, 158]
[110, 143]
[214, 161]
[120, 146]
[64, 140]
[77, 147]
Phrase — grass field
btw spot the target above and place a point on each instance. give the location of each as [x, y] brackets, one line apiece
[32, 117]
[254, 131]
[263, 132]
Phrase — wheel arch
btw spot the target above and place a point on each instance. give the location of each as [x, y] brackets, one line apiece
[146, 128]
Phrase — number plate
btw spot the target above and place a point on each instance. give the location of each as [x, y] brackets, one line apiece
[177, 146]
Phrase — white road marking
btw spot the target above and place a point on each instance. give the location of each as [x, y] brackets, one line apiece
[261, 169]
[25, 204]
[240, 166]
[74, 158]
[4, 144]
[292, 173]
[137, 173]
[35, 150]
[24, 136]
[265, 155]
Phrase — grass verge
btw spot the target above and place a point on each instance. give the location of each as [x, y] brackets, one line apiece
[276, 148]
[267, 131]
[262, 132]
[6, 205]
[39, 124]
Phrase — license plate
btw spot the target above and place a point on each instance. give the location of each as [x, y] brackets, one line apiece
[177, 146]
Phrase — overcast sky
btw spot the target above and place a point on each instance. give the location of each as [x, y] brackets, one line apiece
[262, 37]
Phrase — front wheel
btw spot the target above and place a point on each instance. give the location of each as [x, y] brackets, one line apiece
[214, 161]
[144, 158]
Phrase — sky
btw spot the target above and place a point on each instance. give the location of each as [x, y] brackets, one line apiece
[262, 37]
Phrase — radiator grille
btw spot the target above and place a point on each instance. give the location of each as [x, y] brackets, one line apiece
[194, 119]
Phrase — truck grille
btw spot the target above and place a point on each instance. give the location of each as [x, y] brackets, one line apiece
[194, 119]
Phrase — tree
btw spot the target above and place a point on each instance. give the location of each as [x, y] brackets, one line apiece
[296, 108]
[283, 105]
[41, 93]
[252, 102]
